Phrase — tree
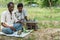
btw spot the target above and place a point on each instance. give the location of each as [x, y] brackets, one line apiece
[48, 3]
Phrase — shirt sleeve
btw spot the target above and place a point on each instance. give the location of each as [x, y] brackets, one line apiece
[3, 17]
[25, 12]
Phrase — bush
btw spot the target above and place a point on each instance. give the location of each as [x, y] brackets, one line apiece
[47, 4]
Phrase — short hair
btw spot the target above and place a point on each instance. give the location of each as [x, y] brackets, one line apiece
[20, 5]
[8, 5]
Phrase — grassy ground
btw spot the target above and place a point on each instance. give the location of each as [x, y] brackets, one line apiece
[46, 17]
[42, 14]
[41, 34]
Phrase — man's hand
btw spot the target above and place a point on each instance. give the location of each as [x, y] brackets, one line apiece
[8, 26]
[20, 21]
[26, 18]
[12, 28]
[4, 24]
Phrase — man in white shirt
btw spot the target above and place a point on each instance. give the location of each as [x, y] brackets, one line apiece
[21, 13]
[8, 20]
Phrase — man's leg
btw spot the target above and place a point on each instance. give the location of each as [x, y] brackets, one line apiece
[7, 31]
[18, 26]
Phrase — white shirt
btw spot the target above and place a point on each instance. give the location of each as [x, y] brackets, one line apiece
[21, 15]
[7, 18]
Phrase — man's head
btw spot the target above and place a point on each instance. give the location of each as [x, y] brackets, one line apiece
[10, 6]
[20, 7]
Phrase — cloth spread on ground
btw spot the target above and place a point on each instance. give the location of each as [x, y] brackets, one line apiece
[23, 34]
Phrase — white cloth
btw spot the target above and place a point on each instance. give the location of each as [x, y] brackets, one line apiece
[7, 18]
[21, 15]
[23, 34]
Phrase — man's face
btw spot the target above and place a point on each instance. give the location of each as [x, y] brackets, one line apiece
[11, 8]
[20, 9]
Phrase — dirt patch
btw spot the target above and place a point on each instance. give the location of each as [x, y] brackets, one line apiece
[41, 34]
[47, 34]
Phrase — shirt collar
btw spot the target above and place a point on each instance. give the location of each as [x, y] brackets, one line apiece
[9, 12]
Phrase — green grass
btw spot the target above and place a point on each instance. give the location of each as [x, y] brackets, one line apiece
[2, 9]
[41, 13]
[44, 13]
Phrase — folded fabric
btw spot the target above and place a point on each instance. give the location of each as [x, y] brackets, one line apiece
[23, 34]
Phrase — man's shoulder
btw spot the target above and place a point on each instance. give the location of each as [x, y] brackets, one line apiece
[24, 9]
[4, 12]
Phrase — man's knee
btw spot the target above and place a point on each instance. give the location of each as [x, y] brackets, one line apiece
[7, 31]
[17, 24]
[4, 29]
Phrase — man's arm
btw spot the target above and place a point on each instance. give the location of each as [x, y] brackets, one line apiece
[25, 15]
[5, 25]
[26, 18]
[3, 21]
